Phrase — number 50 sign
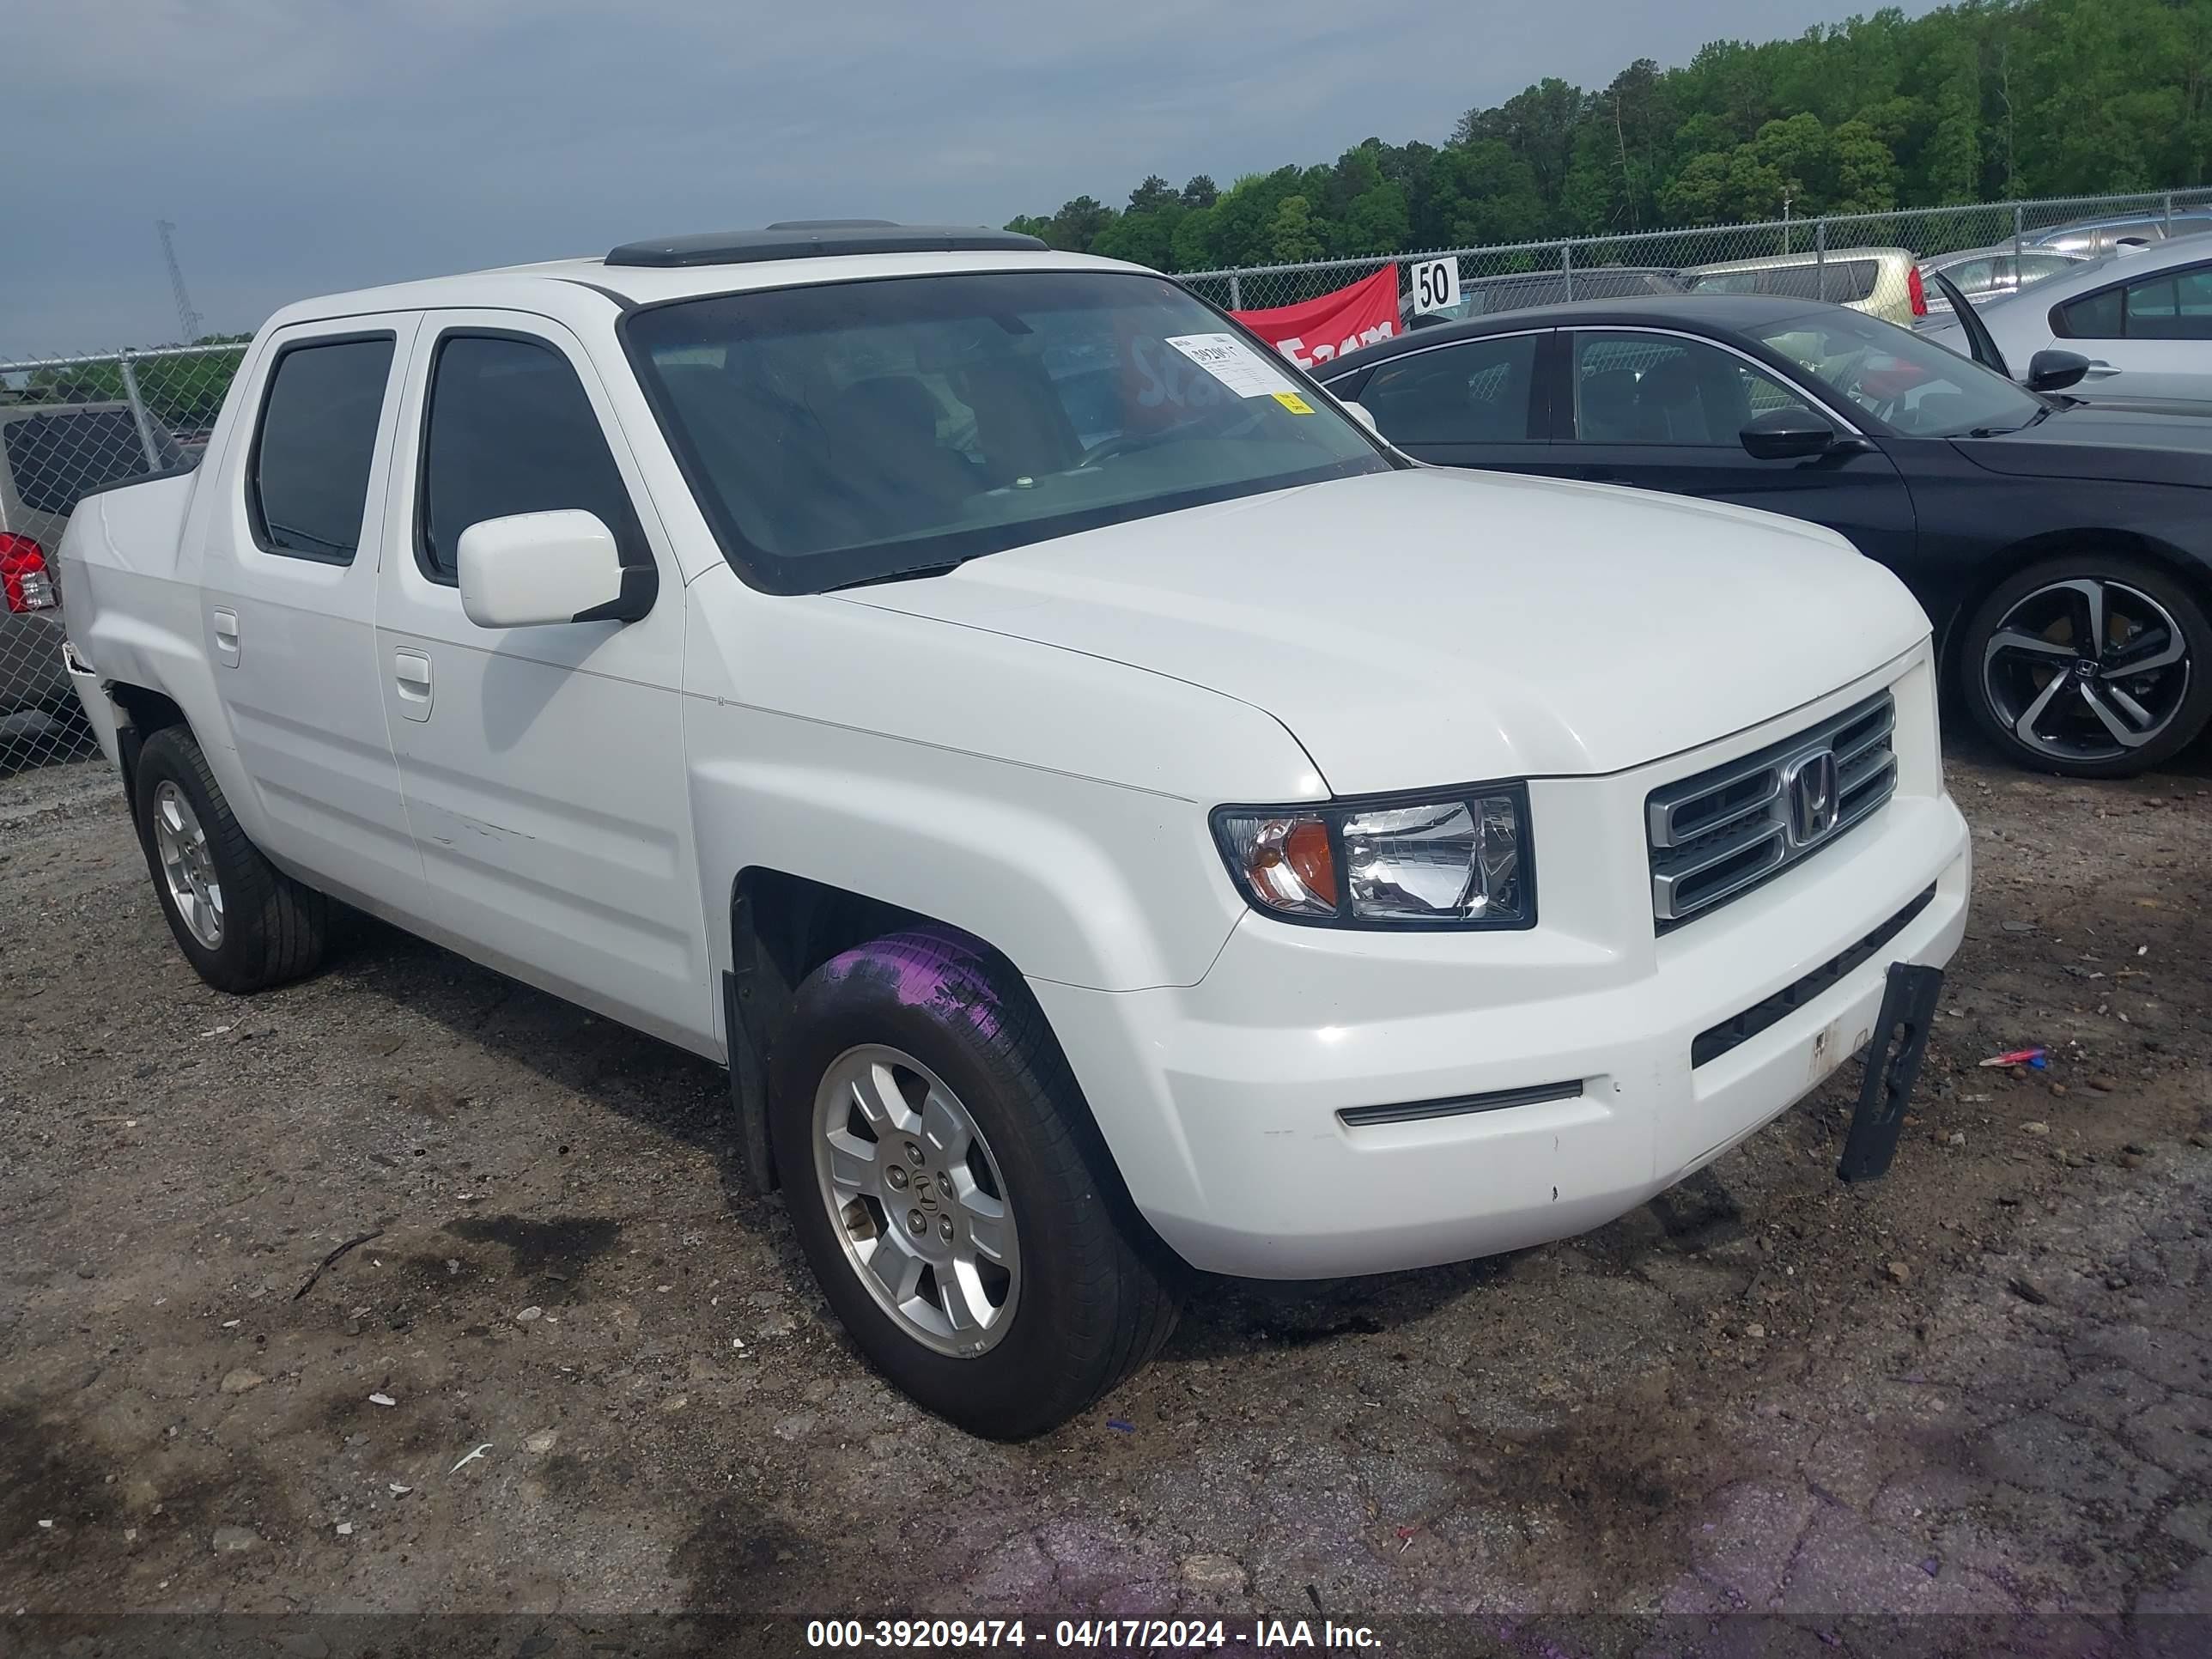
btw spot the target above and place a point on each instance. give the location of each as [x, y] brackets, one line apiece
[1435, 285]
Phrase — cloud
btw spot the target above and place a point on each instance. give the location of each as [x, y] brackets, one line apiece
[303, 147]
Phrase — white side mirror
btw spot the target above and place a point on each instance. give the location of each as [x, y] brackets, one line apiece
[1365, 415]
[534, 569]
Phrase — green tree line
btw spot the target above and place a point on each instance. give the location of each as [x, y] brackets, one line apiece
[1977, 101]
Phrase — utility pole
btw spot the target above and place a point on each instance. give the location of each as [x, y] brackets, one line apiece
[187, 319]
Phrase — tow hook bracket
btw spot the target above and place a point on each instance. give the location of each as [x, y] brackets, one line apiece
[1892, 1066]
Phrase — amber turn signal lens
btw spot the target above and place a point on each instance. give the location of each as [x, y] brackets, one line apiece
[1283, 860]
[1305, 849]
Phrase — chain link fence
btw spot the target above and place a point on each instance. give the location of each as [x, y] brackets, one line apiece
[73, 423]
[69, 425]
[1809, 258]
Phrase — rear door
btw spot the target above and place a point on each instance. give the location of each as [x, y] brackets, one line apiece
[288, 605]
[1466, 403]
[2151, 338]
[543, 768]
[1666, 411]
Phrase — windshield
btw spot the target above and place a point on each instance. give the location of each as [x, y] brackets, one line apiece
[848, 432]
[1914, 386]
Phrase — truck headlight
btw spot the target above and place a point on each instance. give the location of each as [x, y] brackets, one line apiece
[1441, 860]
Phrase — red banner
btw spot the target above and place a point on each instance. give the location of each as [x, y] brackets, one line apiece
[1317, 330]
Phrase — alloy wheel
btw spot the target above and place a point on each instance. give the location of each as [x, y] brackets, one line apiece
[187, 865]
[2086, 670]
[916, 1201]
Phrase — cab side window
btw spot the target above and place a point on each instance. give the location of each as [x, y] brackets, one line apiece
[510, 429]
[306, 483]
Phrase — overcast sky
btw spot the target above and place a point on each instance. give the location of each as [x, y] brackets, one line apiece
[304, 147]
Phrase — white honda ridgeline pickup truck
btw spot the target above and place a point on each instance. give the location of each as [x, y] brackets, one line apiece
[1106, 809]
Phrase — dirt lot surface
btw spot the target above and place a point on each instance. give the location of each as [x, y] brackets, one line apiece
[1981, 1387]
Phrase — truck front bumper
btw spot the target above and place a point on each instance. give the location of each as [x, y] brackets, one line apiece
[1222, 1102]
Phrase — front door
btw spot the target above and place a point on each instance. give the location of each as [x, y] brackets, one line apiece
[543, 768]
[1666, 411]
[288, 605]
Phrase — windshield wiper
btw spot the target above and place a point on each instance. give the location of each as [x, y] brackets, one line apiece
[909, 573]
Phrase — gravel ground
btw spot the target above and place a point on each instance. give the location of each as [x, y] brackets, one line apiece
[1982, 1387]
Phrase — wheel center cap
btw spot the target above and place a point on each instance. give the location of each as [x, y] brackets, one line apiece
[2086, 667]
[924, 1194]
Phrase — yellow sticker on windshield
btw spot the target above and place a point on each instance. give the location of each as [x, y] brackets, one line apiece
[1296, 405]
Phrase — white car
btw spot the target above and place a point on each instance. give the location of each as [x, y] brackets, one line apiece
[2142, 318]
[1212, 840]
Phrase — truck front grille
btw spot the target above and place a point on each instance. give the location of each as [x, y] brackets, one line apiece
[1716, 835]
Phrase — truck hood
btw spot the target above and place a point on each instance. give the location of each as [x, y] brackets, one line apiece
[1433, 626]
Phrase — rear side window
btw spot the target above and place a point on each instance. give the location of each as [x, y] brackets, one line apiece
[2173, 306]
[1474, 393]
[1975, 277]
[307, 485]
[2094, 317]
[511, 430]
[1513, 296]
[55, 459]
[1602, 284]
[1840, 281]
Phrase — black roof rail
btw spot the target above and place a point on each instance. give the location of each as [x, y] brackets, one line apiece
[801, 238]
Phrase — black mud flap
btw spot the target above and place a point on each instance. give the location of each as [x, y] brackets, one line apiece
[748, 1091]
[1893, 1065]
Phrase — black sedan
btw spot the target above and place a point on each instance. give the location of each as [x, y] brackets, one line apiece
[2063, 550]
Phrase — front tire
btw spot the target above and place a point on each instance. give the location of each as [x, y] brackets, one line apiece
[243, 924]
[943, 1178]
[2090, 666]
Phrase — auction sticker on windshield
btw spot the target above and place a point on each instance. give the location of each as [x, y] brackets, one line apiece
[1236, 365]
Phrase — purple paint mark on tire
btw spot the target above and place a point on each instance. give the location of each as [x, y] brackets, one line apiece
[950, 989]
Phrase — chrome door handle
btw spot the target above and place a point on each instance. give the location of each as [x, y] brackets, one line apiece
[411, 673]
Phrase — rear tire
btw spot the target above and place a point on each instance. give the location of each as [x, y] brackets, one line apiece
[951, 1192]
[2069, 667]
[243, 924]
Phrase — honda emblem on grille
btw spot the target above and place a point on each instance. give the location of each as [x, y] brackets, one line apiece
[1809, 789]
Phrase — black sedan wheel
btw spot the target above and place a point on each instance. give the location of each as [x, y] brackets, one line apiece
[2094, 667]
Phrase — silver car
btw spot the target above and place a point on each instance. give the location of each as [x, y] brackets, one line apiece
[2141, 320]
[2123, 230]
[51, 455]
[1983, 273]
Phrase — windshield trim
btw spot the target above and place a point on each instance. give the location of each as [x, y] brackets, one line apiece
[1874, 422]
[760, 571]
